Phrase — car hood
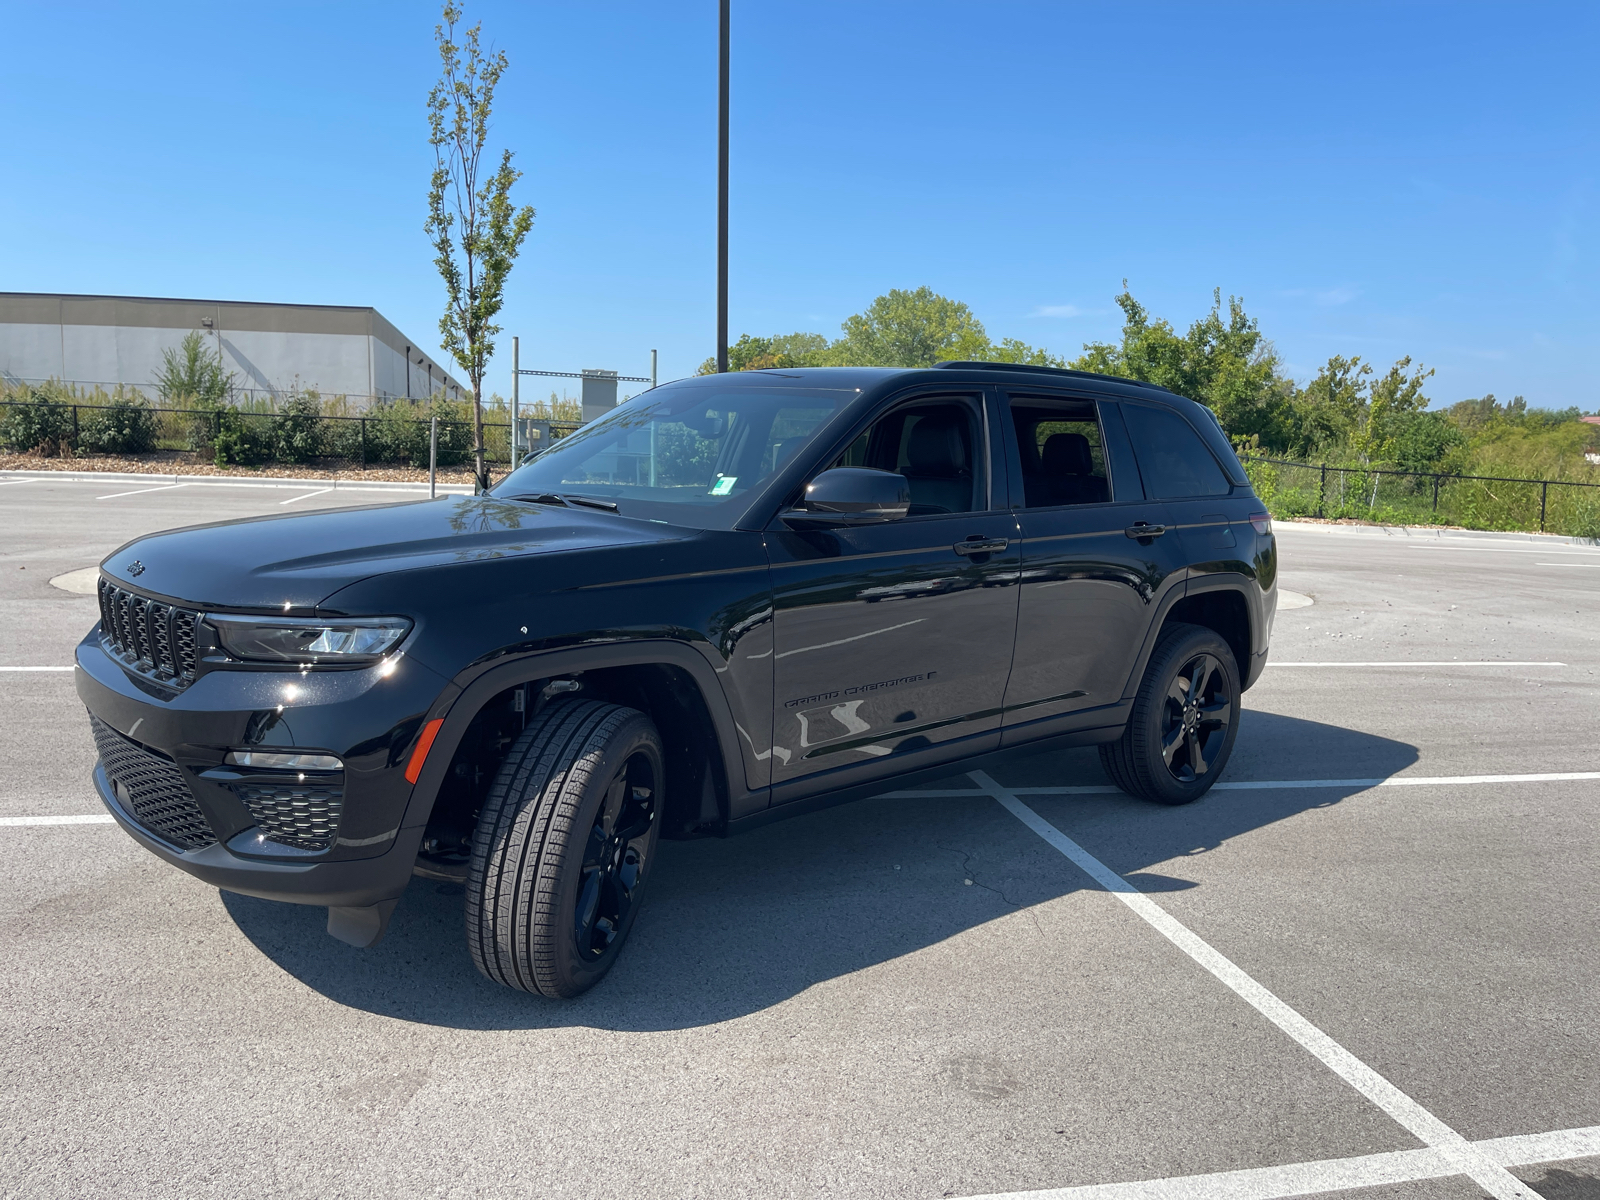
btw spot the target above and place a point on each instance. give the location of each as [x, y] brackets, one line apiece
[295, 562]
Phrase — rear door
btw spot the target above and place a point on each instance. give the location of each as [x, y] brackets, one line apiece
[1090, 584]
[893, 642]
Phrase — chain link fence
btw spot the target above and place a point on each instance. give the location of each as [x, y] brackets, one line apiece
[1292, 489]
[294, 435]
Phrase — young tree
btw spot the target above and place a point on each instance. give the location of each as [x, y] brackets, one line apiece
[476, 230]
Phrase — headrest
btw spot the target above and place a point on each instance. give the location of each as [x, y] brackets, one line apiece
[938, 445]
[1067, 454]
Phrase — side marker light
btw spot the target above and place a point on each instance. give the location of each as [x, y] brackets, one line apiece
[424, 744]
[1263, 522]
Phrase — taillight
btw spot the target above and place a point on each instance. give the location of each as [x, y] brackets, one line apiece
[1263, 522]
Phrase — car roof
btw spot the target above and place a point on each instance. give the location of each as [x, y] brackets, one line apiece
[969, 372]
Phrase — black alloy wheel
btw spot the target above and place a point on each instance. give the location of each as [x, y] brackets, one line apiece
[1196, 718]
[563, 847]
[614, 858]
[1184, 721]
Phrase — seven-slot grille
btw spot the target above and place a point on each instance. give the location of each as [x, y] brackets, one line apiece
[155, 638]
[151, 789]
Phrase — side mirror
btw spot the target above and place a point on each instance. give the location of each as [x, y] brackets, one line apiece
[847, 496]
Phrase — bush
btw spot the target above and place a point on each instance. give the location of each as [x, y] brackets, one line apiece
[239, 438]
[123, 426]
[296, 434]
[37, 422]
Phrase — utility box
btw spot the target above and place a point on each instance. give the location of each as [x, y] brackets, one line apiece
[599, 394]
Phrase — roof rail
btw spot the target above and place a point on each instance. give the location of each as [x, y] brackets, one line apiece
[1068, 371]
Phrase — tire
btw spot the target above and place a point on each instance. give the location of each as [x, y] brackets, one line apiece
[563, 847]
[1172, 751]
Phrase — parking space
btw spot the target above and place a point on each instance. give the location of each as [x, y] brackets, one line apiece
[918, 995]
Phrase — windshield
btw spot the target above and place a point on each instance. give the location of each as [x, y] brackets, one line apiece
[687, 453]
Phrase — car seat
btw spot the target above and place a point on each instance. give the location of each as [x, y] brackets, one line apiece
[1069, 470]
[939, 464]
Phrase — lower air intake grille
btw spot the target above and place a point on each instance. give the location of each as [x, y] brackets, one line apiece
[301, 815]
[151, 789]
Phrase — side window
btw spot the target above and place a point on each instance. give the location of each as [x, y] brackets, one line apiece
[1063, 454]
[935, 446]
[1173, 460]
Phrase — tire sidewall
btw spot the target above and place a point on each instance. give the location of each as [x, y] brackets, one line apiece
[1172, 656]
[575, 974]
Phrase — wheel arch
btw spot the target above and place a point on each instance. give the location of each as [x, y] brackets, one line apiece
[1223, 608]
[669, 681]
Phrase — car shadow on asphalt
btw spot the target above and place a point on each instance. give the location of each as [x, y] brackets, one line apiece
[735, 926]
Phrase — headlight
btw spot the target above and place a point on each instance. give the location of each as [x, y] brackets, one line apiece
[303, 640]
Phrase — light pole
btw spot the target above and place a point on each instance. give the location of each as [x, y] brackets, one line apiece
[516, 382]
[722, 193]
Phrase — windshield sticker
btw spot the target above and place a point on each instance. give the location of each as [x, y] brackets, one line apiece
[724, 485]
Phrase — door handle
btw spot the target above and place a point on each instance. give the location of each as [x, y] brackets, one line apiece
[981, 545]
[1140, 529]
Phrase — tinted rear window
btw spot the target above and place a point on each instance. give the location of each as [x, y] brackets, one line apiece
[1173, 460]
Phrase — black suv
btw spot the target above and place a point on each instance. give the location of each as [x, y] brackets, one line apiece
[734, 598]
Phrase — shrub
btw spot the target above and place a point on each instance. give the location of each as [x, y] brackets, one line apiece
[240, 438]
[37, 422]
[296, 433]
[125, 425]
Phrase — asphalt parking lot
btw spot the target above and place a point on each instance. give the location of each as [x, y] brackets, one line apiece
[1367, 966]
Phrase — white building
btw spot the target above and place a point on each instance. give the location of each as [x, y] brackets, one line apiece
[271, 348]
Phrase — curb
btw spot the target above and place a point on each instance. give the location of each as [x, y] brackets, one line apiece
[1431, 533]
[342, 485]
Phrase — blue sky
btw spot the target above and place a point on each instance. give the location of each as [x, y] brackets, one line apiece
[1373, 179]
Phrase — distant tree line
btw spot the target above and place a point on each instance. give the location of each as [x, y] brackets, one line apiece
[1349, 413]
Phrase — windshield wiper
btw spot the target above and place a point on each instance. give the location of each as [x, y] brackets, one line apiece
[566, 500]
[590, 502]
[540, 498]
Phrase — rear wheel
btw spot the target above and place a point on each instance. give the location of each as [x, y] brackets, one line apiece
[1184, 720]
[563, 848]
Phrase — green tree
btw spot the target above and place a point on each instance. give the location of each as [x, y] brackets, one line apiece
[490, 228]
[1223, 361]
[910, 329]
[193, 373]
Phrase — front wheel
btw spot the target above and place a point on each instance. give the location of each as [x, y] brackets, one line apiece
[564, 846]
[1184, 721]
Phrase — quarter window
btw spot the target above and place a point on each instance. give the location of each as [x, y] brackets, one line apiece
[1173, 460]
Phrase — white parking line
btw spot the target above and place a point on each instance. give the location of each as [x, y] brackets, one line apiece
[1483, 662]
[307, 496]
[141, 491]
[1266, 785]
[1332, 1174]
[35, 668]
[86, 819]
[1571, 564]
[1464, 1158]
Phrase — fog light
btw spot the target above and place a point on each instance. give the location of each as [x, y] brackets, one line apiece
[280, 760]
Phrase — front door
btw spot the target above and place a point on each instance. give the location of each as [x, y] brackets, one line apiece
[1090, 585]
[893, 642]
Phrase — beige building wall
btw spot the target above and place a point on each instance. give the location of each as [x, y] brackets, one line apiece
[271, 348]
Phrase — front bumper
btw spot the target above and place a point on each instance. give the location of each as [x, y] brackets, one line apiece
[352, 883]
[367, 718]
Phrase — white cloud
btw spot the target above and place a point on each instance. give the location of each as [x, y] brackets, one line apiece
[1058, 310]
[1328, 296]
